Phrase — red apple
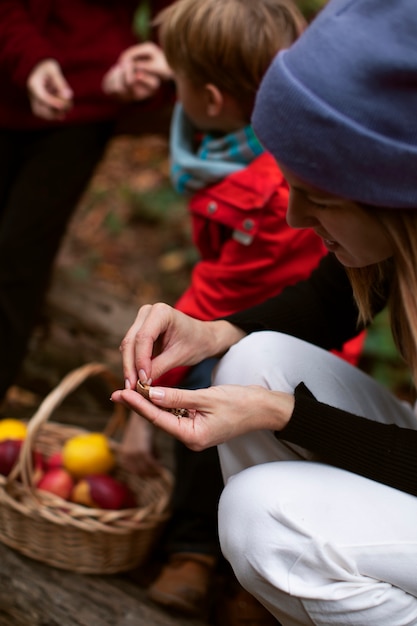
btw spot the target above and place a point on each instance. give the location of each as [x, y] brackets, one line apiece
[9, 453]
[39, 460]
[57, 481]
[104, 492]
[55, 460]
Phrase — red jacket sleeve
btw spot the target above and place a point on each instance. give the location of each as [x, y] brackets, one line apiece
[240, 272]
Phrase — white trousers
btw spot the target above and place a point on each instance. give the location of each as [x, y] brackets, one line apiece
[314, 543]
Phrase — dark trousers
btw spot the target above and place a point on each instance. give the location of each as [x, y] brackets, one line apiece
[197, 489]
[42, 177]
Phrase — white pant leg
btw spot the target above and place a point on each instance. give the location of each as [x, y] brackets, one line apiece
[315, 544]
[281, 362]
[318, 545]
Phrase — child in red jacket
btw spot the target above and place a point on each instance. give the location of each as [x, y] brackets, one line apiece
[218, 52]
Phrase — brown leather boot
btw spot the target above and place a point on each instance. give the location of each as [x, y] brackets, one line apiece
[242, 609]
[184, 583]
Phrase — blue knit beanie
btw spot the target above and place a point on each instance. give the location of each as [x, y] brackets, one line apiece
[339, 108]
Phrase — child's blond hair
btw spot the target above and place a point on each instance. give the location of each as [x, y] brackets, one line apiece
[229, 43]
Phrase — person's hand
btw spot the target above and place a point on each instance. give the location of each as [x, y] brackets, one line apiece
[136, 451]
[162, 338]
[216, 414]
[50, 95]
[138, 74]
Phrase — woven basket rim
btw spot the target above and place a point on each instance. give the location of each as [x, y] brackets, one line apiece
[24, 508]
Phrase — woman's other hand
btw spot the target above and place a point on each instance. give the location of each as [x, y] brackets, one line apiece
[138, 74]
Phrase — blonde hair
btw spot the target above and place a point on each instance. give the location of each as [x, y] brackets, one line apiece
[229, 43]
[400, 274]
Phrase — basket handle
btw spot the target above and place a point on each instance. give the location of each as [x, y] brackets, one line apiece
[69, 383]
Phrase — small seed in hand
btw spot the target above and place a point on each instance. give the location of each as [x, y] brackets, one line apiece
[143, 389]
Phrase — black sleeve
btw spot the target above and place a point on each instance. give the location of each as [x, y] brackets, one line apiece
[320, 310]
[385, 453]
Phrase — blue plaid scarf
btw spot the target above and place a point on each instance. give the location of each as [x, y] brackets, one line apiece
[215, 158]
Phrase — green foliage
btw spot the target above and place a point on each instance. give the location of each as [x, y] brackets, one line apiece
[114, 223]
[142, 21]
[381, 358]
[379, 342]
[310, 8]
[142, 18]
[156, 206]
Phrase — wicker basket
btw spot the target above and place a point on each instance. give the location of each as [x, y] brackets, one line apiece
[68, 535]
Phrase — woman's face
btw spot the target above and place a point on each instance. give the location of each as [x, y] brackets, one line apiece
[354, 234]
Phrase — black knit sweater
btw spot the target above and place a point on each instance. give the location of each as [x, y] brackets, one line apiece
[321, 310]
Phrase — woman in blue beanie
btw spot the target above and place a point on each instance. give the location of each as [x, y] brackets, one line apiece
[318, 516]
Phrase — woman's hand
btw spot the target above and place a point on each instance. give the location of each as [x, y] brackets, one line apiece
[50, 95]
[138, 74]
[162, 338]
[217, 414]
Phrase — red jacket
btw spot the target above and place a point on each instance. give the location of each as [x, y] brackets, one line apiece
[85, 36]
[248, 251]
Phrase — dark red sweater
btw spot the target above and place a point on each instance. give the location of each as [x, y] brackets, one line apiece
[85, 36]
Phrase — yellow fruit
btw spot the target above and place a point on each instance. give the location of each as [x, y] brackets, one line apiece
[88, 453]
[12, 429]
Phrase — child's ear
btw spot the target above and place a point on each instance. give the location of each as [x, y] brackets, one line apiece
[214, 100]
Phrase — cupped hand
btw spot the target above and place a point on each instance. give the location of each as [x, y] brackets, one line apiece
[145, 57]
[50, 95]
[138, 74]
[216, 414]
[115, 84]
[162, 338]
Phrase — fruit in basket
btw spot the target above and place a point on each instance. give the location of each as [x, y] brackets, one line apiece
[57, 481]
[11, 428]
[104, 492]
[88, 453]
[39, 466]
[54, 460]
[9, 453]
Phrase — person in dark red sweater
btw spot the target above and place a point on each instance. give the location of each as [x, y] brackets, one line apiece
[55, 122]
[318, 514]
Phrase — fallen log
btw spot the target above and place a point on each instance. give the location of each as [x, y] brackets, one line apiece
[82, 323]
[34, 594]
